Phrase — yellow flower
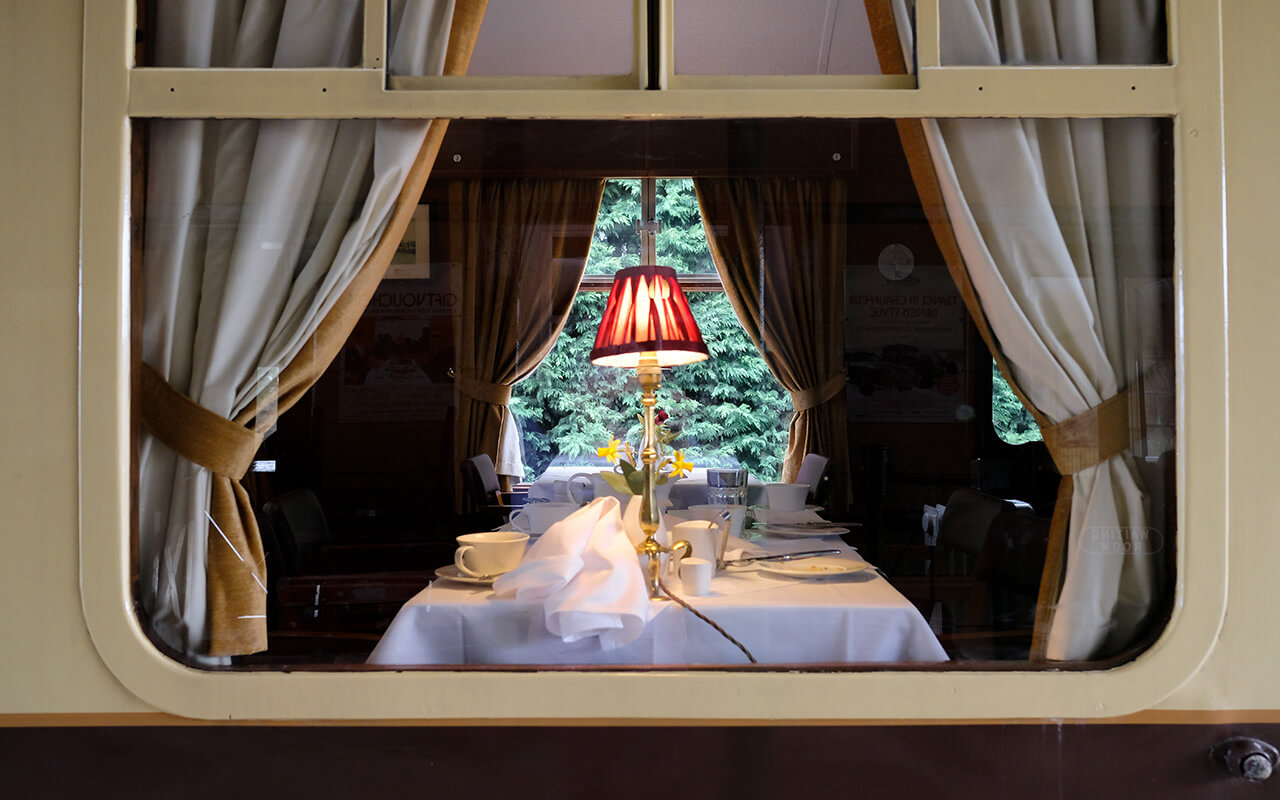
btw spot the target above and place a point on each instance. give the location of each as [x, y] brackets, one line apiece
[678, 465]
[610, 451]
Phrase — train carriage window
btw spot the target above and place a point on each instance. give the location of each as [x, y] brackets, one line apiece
[361, 301]
[369, 467]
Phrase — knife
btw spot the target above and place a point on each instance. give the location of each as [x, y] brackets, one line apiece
[783, 556]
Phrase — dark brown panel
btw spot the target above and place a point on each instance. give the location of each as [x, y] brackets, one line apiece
[955, 762]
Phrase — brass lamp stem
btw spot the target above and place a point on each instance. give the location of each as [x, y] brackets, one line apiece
[650, 376]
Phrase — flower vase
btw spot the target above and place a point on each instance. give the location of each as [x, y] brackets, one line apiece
[631, 506]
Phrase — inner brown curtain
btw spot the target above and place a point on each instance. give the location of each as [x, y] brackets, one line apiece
[236, 573]
[522, 247]
[779, 246]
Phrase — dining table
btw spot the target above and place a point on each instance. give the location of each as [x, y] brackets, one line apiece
[790, 619]
[686, 491]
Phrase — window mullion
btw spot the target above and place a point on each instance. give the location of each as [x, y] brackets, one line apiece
[648, 225]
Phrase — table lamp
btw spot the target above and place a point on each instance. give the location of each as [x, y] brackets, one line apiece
[647, 325]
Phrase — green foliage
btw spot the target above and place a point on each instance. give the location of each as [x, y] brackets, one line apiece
[725, 411]
[1013, 422]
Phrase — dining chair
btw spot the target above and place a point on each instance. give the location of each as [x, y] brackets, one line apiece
[331, 600]
[488, 505]
[815, 473]
[998, 620]
[962, 530]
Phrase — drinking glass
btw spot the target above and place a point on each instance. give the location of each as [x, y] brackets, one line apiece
[727, 487]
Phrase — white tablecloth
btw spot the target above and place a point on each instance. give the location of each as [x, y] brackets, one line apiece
[687, 491]
[855, 619]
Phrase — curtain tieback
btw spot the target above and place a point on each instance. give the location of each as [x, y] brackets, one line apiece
[814, 396]
[496, 394]
[193, 431]
[1091, 438]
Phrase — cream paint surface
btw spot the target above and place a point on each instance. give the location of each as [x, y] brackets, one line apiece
[49, 663]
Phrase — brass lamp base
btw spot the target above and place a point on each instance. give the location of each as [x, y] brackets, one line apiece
[650, 375]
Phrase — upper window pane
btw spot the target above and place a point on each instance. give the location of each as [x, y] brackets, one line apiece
[564, 38]
[765, 37]
[1030, 32]
[198, 33]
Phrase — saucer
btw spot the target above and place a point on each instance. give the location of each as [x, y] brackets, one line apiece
[821, 567]
[801, 531]
[451, 572]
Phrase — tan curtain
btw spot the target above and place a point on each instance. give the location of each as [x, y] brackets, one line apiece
[779, 246]
[1043, 271]
[522, 247]
[233, 574]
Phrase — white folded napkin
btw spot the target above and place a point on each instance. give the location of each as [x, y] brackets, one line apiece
[585, 572]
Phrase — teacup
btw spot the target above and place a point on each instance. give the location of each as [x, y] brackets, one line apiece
[703, 535]
[482, 555]
[576, 489]
[712, 512]
[535, 518]
[786, 496]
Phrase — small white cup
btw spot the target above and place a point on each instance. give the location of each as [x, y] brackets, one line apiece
[786, 496]
[481, 555]
[535, 518]
[695, 576]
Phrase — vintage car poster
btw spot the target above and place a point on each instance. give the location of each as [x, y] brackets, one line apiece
[904, 342]
[395, 367]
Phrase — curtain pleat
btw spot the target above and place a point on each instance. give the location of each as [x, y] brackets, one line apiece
[779, 246]
[265, 241]
[522, 246]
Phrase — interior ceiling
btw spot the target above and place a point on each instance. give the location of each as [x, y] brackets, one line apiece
[742, 37]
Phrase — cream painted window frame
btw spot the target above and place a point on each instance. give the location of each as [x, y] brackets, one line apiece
[1188, 90]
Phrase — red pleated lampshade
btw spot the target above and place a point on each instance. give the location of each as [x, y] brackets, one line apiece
[647, 313]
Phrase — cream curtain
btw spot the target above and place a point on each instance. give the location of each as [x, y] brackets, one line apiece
[779, 246]
[522, 246]
[1056, 222]
[264, 241]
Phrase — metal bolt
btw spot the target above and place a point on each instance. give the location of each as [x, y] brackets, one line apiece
[1256, 767]
[1249, 758]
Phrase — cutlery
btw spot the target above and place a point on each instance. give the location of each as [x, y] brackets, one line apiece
[783, 556]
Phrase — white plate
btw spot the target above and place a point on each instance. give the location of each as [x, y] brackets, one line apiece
[820, 567]
[452, 573]
[809, 507]
[799, 531]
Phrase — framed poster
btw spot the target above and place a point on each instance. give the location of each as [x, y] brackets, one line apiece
[904, 341]
[395, 367]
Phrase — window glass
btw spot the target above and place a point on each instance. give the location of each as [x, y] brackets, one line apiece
[182, 33]
[1013, 423]
[833, 259]
[1016, 32]
[565, 38]
[758, 37]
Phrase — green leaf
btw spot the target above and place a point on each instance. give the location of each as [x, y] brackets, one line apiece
[618, 482]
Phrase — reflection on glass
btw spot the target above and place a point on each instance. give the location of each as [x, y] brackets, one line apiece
[763, 37]
[566, 38]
